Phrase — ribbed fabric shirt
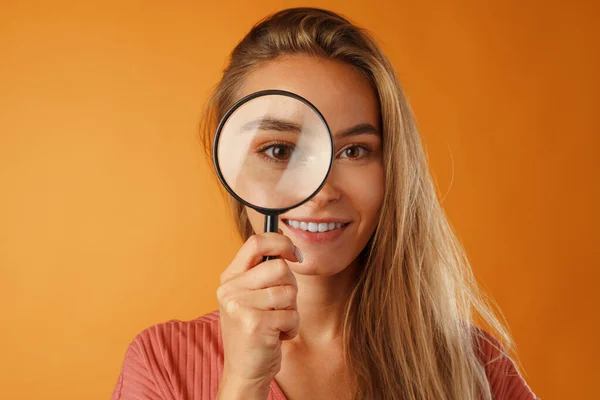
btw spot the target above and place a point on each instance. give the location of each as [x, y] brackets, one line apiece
[183, 360]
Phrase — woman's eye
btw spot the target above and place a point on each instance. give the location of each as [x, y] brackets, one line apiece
[353, 152]
[278, 152]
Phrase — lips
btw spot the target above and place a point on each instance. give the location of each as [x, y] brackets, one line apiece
[316, 231]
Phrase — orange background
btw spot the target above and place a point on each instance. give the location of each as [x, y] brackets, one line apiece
[110, 220]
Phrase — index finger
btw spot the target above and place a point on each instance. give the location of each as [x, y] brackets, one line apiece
[257, 246]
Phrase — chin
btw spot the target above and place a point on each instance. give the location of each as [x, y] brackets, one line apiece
[318, 266]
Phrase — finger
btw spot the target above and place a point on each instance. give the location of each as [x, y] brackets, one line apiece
[286, 322]
[271, 298]
[252, 251]
[269, 273]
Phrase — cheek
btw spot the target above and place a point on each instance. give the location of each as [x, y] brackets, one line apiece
[364, 187]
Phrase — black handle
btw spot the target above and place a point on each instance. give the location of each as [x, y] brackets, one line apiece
[271, 225]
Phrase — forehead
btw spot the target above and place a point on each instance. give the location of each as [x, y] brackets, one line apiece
[343, 95]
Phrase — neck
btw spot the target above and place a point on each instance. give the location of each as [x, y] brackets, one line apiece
[321, 303]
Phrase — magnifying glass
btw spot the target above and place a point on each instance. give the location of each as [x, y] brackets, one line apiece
[273, 151]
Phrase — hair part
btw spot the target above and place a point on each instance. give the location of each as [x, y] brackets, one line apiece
[409, 329]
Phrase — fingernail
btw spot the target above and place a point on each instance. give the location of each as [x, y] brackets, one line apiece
[298, 254]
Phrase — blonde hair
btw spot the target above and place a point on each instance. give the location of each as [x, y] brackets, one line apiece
[409, 329]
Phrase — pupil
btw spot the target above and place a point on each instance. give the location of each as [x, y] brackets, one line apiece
[351, 152]
[280, 153]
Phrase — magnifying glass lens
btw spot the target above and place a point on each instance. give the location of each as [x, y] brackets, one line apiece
[274, 151]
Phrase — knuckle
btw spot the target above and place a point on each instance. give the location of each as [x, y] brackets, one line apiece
[281, 269]
[227, 300]
[281, 297]
[291, 293]
[272, 294]
[250, 323]
[221, 293]
[254, 241]
[271, 342]
[287, 299]
[295, 315]
[233, 306]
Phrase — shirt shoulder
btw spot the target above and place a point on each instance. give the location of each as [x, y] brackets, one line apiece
[197, 337]
[174, 359]
[506, 382]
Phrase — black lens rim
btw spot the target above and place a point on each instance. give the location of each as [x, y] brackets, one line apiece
[238, 104]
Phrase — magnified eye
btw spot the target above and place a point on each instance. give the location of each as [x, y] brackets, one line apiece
[278, 152]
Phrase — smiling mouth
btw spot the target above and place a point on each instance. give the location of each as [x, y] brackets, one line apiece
[315, 227]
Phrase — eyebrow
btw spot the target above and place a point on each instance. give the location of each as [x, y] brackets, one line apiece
[274, 124]
[358, 130]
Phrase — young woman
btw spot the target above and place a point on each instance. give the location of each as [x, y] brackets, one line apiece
[382, 307]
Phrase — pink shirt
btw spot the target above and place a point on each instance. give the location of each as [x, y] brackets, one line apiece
[184, 360]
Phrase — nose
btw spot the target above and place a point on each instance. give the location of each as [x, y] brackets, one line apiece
[328, 194]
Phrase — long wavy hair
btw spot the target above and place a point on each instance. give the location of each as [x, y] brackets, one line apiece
[410, 324]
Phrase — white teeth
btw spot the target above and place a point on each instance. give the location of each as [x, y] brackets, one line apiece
[315, 226]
